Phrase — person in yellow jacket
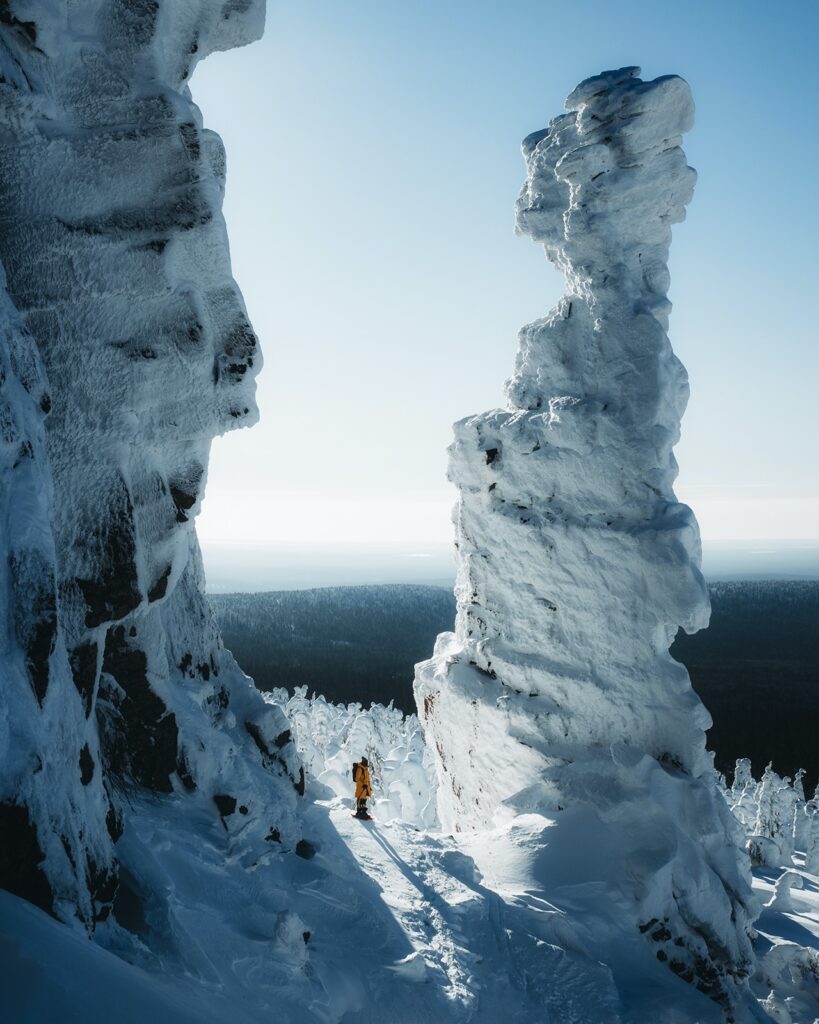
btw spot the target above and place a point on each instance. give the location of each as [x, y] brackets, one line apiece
[363, 789]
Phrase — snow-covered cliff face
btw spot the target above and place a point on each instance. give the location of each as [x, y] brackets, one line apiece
[576, 563]
[118, 272]
[48, 787]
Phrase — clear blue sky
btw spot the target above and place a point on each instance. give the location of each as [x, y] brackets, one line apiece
[373, 162]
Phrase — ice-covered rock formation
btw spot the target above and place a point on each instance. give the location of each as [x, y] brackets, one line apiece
[119, 286]
[50, 795]
[577, 565]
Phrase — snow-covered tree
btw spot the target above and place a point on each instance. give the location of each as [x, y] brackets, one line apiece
[331, 737]
[775, 818]
[812, 837]
[742, 796]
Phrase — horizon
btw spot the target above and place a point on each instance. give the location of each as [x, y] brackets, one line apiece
[232, 568]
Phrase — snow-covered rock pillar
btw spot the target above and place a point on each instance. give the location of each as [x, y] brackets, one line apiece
[116, 256]
[576, 563]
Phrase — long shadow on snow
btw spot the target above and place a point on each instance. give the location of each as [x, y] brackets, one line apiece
[512, 984]
[432, 897]
[355, 940]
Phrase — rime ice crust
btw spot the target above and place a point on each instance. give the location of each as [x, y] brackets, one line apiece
[576, 563]
[116, 256]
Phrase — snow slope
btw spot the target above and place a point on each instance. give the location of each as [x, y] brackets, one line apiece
[404, 926]
[367, 922]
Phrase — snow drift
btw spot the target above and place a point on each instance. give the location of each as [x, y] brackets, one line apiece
[577, 565]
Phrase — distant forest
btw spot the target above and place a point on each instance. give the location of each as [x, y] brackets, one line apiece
[348, 643]
[756, 667]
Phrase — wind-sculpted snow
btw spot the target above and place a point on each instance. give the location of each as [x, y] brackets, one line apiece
[577, 565]
[117, 262]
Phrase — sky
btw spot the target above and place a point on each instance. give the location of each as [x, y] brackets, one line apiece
[373, 162]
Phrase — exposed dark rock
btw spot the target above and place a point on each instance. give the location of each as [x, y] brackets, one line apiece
[184, 772]
[190, 140]
[299, 786]
[129, 905]
[113, 823]
[26, 31]
[160, 587]
[113, 591]
[102, 884]
[157, 245]
[283, 739]
[21, 857]
[225, 803]
[35, 616]
[84, 672]
[242, 809]
[149, 730]
[183, 500]
[86, 765]
[305, 849]
[256, 735]
[38, 651]
[273, 836]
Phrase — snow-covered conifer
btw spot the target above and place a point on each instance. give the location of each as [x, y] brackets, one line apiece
[743, 794]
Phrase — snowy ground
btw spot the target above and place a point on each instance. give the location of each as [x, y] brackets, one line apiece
[403, 928]
[382, 922]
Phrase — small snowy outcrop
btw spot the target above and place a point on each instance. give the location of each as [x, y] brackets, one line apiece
[556, 695]
[117, 262]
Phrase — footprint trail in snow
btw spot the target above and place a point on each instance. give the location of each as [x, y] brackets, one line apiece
[405, 902]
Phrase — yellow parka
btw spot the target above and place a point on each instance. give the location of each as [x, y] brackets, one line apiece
[363, 790]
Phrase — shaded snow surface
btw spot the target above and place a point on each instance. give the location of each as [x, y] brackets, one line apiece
[404, 927]
[383, 921]
[401, 929]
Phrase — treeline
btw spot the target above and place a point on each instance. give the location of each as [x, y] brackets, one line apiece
[348, 643]
[756, 668]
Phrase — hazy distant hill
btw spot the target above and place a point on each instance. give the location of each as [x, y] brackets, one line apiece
[756, 667]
